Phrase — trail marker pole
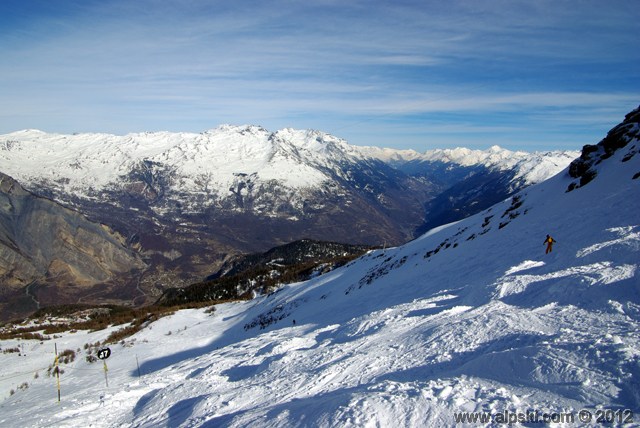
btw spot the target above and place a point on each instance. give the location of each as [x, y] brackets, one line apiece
[138, 365]
[106, 380]
[57, 369]
[103, 354]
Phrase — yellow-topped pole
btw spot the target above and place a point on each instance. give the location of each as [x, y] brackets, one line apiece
[106, 381]
[57, 369]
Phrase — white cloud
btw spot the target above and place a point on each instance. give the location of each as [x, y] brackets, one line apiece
[130, 66]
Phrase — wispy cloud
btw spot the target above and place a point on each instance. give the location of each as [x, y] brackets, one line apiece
[402, 68]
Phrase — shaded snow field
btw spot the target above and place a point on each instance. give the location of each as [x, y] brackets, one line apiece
[471, 317]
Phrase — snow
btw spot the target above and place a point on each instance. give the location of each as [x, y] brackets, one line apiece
[212, 162]
[525, 265]
[208, 160]
[494, 155]
[530, 168]
[472, 316]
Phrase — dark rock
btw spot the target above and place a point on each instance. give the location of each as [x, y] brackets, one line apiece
[618, 137]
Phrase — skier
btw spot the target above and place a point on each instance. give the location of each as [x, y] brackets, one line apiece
[549, 241]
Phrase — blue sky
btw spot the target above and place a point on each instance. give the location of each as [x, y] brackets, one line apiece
[530, 75]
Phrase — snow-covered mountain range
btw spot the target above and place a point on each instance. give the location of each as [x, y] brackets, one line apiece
[472, 317]
[215, 164]
[186, 201]
[288, 174]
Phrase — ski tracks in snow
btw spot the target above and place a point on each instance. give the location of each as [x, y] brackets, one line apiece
[600, 272]
[627, 235]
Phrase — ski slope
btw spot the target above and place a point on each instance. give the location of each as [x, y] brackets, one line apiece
[470, 317]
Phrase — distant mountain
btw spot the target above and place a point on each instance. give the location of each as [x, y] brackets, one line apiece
[51, 254]
[187, 201]
[471, 323]
[473, 180]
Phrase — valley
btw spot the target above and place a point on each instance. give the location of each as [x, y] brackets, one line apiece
[183, 203]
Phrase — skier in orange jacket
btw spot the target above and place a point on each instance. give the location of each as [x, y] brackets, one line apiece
[549, 241]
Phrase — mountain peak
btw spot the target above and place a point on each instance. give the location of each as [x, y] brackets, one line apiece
[238, 129]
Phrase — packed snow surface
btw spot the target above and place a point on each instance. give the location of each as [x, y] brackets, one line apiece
[470, 317]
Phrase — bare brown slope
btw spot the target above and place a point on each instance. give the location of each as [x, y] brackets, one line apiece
[50, 254]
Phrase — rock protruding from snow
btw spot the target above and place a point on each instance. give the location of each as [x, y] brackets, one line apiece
[626, 134]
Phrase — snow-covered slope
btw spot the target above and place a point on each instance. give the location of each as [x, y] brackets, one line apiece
[470, 317]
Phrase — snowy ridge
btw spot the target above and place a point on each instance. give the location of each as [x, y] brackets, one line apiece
[493, 156]
[538, 167]
[530, 168]
[471, 317]
[84, 162]
[210, 162]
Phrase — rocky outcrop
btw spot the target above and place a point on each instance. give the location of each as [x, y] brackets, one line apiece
[45, 246]
[619, 137]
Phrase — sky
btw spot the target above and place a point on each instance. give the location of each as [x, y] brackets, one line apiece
[405, 74]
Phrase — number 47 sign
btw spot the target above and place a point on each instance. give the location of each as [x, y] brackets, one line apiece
[103, 354]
